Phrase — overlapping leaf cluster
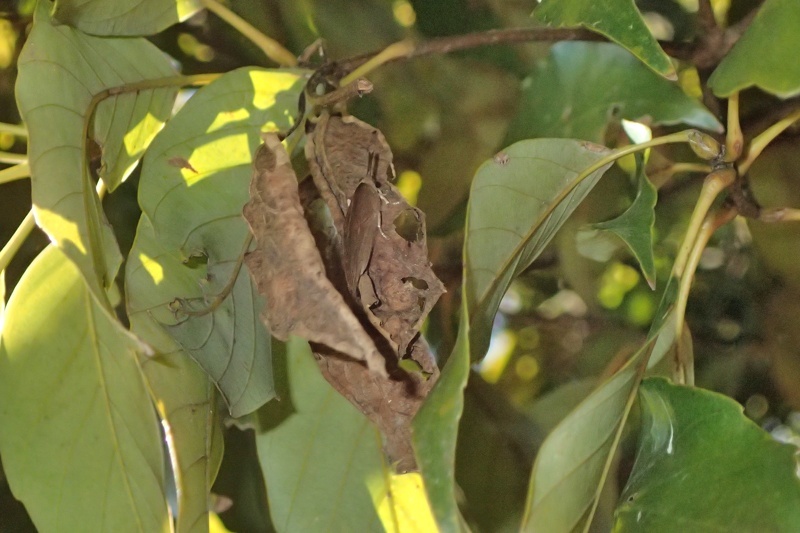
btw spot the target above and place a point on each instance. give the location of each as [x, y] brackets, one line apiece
[82, 446]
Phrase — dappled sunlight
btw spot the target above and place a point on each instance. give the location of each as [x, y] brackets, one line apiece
[217, 154]
[152, 267]
[68, 231]
[227, 117]
[138, 137]
[268, 84]
[404, 508]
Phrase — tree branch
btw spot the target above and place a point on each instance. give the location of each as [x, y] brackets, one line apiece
[446, 45]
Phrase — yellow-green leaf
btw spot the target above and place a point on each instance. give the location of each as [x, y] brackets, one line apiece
[195, 181]
[80, 440]
[184, 395]
[62, 73]
[124, 17]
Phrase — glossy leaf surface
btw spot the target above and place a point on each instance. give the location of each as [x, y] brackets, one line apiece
[703, 466]
[756, 59]
[80, 441]
[619, 20]
[62, 72]
[580, 87]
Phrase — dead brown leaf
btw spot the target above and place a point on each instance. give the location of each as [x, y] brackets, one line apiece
[288, 270]
[384, 246]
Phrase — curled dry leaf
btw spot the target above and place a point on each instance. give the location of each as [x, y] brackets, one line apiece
[288, 270]
[384, 250]
[379, 261]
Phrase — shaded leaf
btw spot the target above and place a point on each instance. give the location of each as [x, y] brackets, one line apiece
[572, 463]
[287, 268]
[80, 442]
[124, 17]
[517, 204]
[581, 86]
[756, 59]
[435, 430]
[61, 72]
[635, 226]
[619, 20]
[212, 312]
[323, 464]
[183, 393]
[161, 274]
[699, 459]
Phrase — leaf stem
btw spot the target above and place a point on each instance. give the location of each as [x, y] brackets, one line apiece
[15, 242]
[713, 185]
[763, 139]
[780, 214]
[711, 223]
[12, 158]
[22, 170]
[390, 53]
[734, 140]
[14, 129]
[271, 48]
[677, 137]
[660, 177]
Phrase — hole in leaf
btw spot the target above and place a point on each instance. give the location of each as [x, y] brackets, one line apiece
[408, 226]
[196, 260]
[419, 284]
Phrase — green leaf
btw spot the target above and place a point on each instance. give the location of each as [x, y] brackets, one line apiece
[183, 393]
[435, 430]
[2, 299]
[124, 17]
[619, 20]
[323, 464]
[580, 86]
[703, 466]
[80, 441]
[635, 226]
[242, 372]
[195, 181]
[765, 56]
[61, 73]
[572, 463]
[519, 200]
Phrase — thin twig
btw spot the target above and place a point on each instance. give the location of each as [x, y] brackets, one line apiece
[761, 141]
[14, 129]
[705, 16]
[12, 158]
[17, 172]
[13, 245]
[446, 45]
